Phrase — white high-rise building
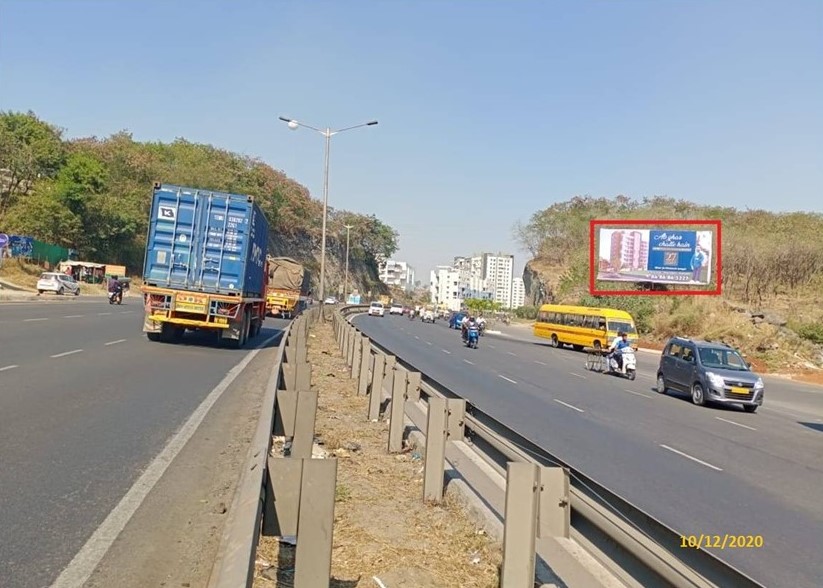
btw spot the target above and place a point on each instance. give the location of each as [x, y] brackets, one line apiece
[445, 287]
[518, 293]
[498, 271]
[397, 273]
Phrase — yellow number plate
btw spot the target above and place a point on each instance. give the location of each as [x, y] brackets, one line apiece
[736, 390]
[191, 303]
[221, 321]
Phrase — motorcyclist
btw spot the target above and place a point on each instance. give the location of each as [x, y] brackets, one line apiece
[114, 286]
[481, 324]
[464, 326]
[616, 348]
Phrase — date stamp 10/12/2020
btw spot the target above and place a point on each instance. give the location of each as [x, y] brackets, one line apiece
[725, 541]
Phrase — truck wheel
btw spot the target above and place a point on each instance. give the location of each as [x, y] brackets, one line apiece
[153, 337]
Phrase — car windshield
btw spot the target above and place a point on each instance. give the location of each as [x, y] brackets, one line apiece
[626, 327]
[47, 276]
[727, 359]
[376, 305]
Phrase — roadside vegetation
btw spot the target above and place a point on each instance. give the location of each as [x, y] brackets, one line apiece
[93, 195]
[772, 277]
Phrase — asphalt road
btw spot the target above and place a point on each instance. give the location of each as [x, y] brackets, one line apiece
[700, 470]
[86, 403]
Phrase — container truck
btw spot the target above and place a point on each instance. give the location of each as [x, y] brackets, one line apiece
[205, 265]
[287, 283]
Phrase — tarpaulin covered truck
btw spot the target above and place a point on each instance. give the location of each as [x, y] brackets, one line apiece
[286, 284]
[205, 265]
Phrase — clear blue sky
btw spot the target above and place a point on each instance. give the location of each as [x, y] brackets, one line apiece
[489, 111]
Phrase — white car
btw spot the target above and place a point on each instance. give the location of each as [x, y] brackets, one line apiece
[396, 309]
[377, 309]
[57, 283]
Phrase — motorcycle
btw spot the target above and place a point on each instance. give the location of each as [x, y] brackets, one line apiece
[411, 315]
[629, 369]
[482, 328]
[472, 336]
[116, 297]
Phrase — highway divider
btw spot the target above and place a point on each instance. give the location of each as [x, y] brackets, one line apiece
[548, 509]
[281, 492]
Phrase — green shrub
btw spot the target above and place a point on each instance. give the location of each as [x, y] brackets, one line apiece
[810, 331]
[526, 312]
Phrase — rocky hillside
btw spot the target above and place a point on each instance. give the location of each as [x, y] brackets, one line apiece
[772, 301]
[93, 195]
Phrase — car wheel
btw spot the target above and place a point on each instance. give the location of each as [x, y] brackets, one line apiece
[750, 408]
[77, 292]
[596, 346]
[555, 341]
[661, 384]
[60, 292]
[698, 396]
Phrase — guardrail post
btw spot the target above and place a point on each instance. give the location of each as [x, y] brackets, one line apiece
[302, 376]
[315, 523]
[282, 496]
[520, 525]
[365, 358]
[436, 433]
[398, 411]
[388, 381]
[455, 419]
[376, 392]
[285, 412]
[554, 515]
[306, 416]
[357, 349]
[350, 350]
[289, 380]
[413, 386]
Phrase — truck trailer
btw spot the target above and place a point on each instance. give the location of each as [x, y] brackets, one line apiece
[205, 265]
[287, 286]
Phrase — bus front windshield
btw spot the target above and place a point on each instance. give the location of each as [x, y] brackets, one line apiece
[618, 326]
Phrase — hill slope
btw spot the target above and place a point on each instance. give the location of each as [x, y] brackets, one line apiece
[772, 276]
[93, 195]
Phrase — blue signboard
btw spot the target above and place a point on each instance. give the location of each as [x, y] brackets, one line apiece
[671, 251]
[4, 240]
[21, 246]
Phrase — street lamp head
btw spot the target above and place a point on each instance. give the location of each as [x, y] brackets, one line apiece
[369, 124]
[293, 125]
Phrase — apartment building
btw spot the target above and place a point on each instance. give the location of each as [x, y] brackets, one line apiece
[498, 272]
[398, 274]
[444, 287]
[518, 293]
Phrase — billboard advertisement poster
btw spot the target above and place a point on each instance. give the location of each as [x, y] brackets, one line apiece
[656, 252]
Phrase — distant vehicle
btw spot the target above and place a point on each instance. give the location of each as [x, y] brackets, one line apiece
[583, 326]
[58, 283]
[377, 309]
[205, 265]
[287, 283]
[428, 316]
[709, 372]
[396, 309]
[330, 300]
[455, 319]
[628, 366]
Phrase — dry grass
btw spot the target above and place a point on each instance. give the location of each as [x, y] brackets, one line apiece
[382, 526]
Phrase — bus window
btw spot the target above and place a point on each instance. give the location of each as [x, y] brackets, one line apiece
[601, 323]
[617, 326]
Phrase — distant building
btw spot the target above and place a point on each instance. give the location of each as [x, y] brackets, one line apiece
[397, 274]
[444, 287]
[498, 272]
[518, 293]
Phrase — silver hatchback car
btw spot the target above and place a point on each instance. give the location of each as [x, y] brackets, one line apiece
[709, 372]
[57, 283]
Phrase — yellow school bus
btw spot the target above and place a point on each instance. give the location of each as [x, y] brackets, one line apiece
[583, 326]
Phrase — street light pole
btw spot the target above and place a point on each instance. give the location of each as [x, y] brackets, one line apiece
[327, 133]
[346, 280]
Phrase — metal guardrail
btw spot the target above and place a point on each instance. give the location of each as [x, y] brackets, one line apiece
[545, 497]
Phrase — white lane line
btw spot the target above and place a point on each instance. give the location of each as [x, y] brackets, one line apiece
[74, 316]
[734, 423]
[638, 393]
[446, 351]
[539, 362]
[507, 379]
[416, 337]
[691, 457]
[428, 342]
[511, 353]
[34, 320]
[115, 342]
[469, 362]
[577, 375]
[566, 404]
[126, 311]
[492, 347]
[103, 313]
[88, 558]
[8, 367]
[64, 354]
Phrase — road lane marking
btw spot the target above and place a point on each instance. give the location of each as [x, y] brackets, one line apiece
[446, 351]
[469, 362]
[103, 313]
[73, 316]
[578, 375]
[568, 405]
[734, 423]
[507, 379]
[34, 319]
[691, 457]
[88, 558]
[416, 337]
[539, 362]
[492, 347]
[8, 367]
[428, 342]
[638, 393]
[126, 311]
[65, 353]
[115, 342]
[511, 353]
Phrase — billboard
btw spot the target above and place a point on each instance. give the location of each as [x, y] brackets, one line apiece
[656, 252]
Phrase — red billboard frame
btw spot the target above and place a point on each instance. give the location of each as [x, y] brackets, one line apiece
[593, 224]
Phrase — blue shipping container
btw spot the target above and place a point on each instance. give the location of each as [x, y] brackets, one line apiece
[206, 241]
